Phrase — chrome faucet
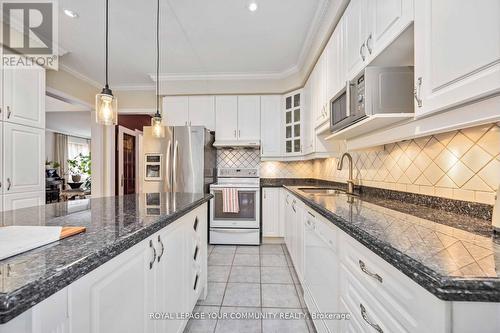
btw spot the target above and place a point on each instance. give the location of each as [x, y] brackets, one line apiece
[350, 181]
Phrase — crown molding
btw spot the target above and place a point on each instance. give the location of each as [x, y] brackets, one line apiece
[80, 76]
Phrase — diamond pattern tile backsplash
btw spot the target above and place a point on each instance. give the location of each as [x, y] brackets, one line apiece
[463, 164]
[238, 158]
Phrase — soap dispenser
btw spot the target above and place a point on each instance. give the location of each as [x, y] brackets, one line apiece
[496, 213]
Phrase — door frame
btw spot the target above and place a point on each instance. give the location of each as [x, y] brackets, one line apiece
[119, 147]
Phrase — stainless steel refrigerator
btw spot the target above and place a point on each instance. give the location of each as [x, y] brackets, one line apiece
[184, 160]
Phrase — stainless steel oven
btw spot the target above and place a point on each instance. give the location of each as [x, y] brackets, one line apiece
[242, 227]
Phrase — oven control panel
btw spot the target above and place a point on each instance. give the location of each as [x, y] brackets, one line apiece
[238, 172]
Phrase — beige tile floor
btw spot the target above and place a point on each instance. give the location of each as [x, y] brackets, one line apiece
[256, 279]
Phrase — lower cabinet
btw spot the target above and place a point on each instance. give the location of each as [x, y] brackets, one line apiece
[271, 220]
[23, 200]
[162, 275]
[340, 275]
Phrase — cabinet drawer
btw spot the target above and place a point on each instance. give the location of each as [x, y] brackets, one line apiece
[371, 315]
[414, 307]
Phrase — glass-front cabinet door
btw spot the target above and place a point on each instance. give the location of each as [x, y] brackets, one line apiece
[293, 122]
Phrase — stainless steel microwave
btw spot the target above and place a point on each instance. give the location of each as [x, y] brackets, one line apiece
[375, 90]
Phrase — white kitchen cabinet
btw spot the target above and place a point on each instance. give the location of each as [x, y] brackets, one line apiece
[202, 111]
[117, 296]
[249, 118]
[355, 34]
[23, 157]
[226, 115]
[270, 126]
[294, 233]
[271, 221]
[24, 96]
[457, 52]
[387, 19]
[172, 275]
[293, 122]
[335, 63]
[175, 111]
[20, 200]
[320, 110]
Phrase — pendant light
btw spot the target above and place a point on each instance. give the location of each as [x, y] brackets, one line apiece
[106, 105]
[156, 121]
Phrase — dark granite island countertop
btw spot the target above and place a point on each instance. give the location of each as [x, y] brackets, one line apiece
[114, 224]
[452, 263]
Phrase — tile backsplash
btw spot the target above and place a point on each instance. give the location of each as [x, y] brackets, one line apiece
[462, 165]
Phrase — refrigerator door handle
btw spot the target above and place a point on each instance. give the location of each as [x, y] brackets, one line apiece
[168, 176]
[174, 171]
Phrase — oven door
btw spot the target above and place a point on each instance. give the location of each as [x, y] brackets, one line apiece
[247, 217]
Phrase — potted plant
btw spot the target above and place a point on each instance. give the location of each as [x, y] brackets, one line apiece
[78, 166]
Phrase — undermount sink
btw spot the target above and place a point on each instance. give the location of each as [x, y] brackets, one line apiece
[321, 190]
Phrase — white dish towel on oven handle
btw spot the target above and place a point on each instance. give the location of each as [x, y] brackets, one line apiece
[230, 203]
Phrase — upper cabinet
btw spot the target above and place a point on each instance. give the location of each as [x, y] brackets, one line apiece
[293, 123]
[249, 118]
[24, 96]
[202, 111]
[270, 126]
[457, 52]
[189, 111]
[176, 111]
[370, 26]
[237, 120]
[335, 63]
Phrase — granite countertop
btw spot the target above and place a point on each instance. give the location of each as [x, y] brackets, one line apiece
[456, 261]
[113, 224]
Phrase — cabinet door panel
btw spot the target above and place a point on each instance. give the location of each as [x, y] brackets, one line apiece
[355, 36]
[270, 215]
[24, 96]
[248, 117]
[23, 200]
[226, 116]
[270, 135]
[202, 111]
[117, 296]
[457, 53]
[175, 111]
[24, 153]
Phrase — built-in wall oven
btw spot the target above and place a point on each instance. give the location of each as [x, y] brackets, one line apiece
[243, 226]
[373, 91]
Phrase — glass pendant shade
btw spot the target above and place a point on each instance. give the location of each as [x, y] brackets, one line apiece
[158, 128]
[106, 108]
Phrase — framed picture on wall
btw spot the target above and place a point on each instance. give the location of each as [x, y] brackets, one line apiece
[153, 167]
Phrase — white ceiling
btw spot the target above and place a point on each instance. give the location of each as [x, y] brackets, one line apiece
[198, 37]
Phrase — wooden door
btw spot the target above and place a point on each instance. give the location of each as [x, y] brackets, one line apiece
[127, 161]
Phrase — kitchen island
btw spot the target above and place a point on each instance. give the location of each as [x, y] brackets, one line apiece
[136, 250]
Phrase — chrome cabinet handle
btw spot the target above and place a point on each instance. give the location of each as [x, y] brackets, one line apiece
[416, 92]
[195, 225]
[151, 263]
[368, 44]
[361, 51]
[162, 248]
[235, 133]
[365, 318]
[293, 206]
[196, 250]
[8, 184]
[8, 112]
[239, 133]
[195, 282]
[308, 212]
[365, 270]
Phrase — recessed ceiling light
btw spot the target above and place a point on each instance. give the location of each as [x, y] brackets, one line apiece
[70, 13]
[252, 6]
